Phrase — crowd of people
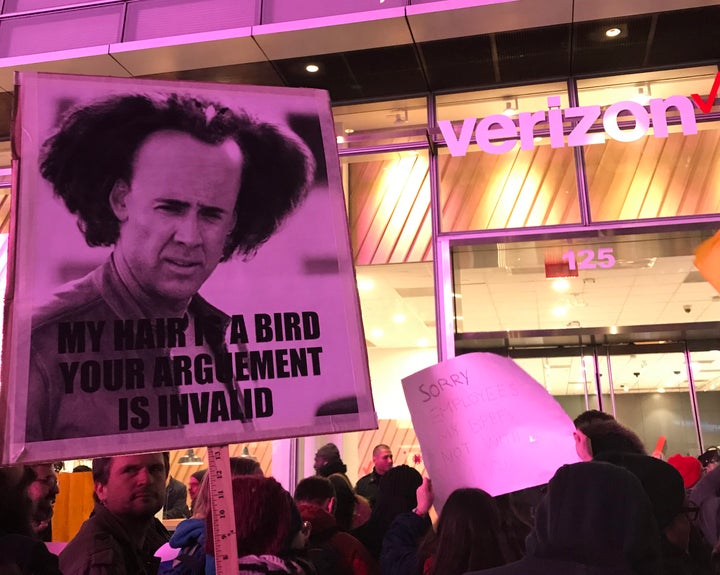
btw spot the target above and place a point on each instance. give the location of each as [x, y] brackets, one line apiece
[618, 511]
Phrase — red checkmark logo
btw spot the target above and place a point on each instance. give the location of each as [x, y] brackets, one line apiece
[706, 106]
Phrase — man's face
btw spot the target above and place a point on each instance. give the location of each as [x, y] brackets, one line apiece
[42, 492]
[136, 486]
[383, 461]
[319, 462]
[582, 446]
[193, 488]
[176, 213]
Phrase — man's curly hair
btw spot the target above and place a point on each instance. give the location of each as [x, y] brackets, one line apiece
[96, 145]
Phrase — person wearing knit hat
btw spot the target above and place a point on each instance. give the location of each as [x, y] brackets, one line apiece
[689, 467]
[327, 461]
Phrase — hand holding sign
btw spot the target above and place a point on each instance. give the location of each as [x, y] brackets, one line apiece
[483, 422]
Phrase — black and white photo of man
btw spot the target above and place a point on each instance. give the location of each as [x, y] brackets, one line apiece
[175, 185]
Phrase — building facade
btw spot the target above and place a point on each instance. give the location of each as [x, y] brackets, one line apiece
[526, 178]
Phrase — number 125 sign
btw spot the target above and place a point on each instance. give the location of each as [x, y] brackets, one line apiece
[589, 259]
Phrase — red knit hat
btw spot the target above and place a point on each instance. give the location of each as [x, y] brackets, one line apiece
[689, 467]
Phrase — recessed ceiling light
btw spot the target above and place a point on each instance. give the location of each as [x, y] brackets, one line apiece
[312, 68]
[559, 311]
[612, 32]
[510, 108]
[399, 318]
[365, 284]
[377, 332]
[561, 285]
[349, 131]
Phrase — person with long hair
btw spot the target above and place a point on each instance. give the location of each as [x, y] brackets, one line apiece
[21, 553]
[266, 525]
[467, 536]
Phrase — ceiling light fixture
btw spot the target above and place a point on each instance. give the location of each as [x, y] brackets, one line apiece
[312, 68]
[613, 32]
[365, 284]
[401, 116]
[190, 458]
[643, 95]
[511, 107]
[349, 131]
[560, 311]
[561, 285]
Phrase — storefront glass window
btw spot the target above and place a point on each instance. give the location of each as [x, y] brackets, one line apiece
[615, 281]
[381, 123]
[484, 185]
[667, 169]
[398, 310]
[389, 207]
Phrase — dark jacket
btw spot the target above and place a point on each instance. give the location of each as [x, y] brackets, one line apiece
[175, 500]
[104, 547]
[368, 486]
[706, 495]
[399, 555]
[356, 559]
[23, 555]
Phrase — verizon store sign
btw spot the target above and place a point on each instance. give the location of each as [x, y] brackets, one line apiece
[497, 134]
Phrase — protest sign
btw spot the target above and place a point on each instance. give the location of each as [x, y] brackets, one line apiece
[484, 422]
[180, 274]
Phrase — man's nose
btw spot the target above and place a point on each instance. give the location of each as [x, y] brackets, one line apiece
[187, 230]
[143, 476]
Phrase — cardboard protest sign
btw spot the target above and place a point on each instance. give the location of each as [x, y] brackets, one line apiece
[180, 274]
[484, 422]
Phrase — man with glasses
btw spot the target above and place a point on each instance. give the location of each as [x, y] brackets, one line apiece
[42, 492]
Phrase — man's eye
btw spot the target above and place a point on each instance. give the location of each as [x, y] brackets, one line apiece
[212, 216]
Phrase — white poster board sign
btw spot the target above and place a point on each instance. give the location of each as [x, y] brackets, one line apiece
[484, 422]
[180, 270]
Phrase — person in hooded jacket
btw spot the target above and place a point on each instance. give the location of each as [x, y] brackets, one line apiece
[595, 520]
[683, 550]
[344, 554]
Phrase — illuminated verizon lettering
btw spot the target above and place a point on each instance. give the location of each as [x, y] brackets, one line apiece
[497, 134]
